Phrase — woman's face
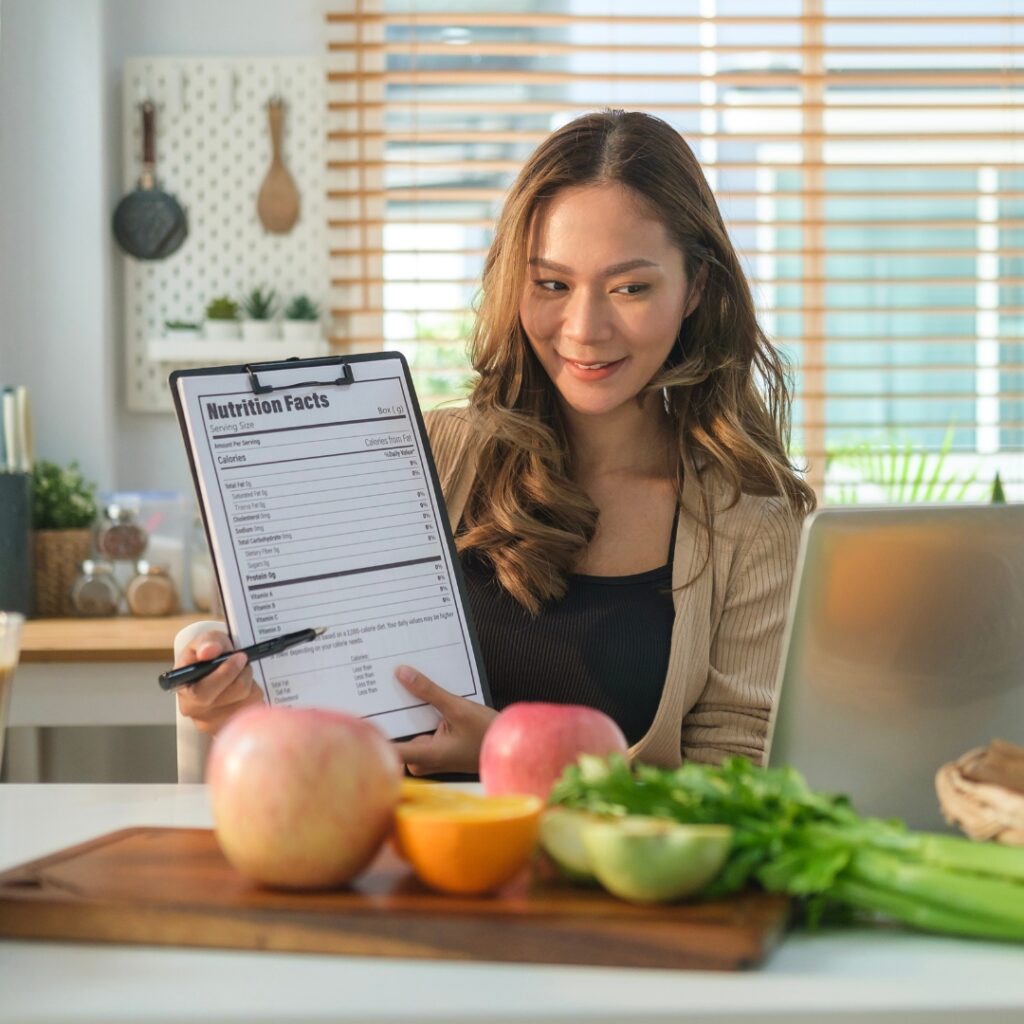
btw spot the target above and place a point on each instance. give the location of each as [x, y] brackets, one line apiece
[605, 294]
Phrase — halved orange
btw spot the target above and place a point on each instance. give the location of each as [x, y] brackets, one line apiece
[469, 847]
[423, 790]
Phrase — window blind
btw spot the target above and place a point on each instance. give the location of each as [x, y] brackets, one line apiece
[866, 155]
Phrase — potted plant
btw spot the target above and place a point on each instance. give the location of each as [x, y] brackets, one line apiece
[63, 511]
[259, 308]
[185, 329]
[302, 320]
[222, 319]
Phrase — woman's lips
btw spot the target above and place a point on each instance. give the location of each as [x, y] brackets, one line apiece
[595, 370]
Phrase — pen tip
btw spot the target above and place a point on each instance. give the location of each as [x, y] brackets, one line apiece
[319, 630]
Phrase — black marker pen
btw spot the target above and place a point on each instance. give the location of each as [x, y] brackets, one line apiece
[264, 649]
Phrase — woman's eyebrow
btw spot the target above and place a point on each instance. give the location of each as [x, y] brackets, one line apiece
[612, 271]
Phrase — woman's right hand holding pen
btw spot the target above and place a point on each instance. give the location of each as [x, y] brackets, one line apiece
[224, 692]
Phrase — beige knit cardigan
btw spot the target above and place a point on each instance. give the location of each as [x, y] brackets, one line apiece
[728, 626]
[723, 660]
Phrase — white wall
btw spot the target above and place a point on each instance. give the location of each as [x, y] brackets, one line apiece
[55, 297]
[60, 147]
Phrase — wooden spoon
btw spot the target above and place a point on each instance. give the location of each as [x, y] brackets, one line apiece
[278, 202]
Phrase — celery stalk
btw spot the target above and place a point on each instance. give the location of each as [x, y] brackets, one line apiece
[910, 909]
[992, 898]
[969, 855]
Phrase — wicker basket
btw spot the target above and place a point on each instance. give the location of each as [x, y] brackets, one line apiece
[57, 556]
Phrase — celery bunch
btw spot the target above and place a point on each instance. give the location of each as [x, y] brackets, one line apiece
[790, 839]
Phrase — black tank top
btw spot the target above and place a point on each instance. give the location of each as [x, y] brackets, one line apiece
[605, 644]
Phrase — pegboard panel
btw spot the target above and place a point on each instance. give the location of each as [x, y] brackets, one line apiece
[212, 153]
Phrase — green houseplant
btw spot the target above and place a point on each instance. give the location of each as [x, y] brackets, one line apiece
[259, 307]
[63, 511]
[302, 319]
[998, 496]
[900, 473]
[222, 319]
[181, 329]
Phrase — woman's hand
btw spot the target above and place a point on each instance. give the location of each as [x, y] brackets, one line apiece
[455, 745]
[224, 692]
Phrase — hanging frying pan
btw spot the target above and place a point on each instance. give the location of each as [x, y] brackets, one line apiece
[149, 224]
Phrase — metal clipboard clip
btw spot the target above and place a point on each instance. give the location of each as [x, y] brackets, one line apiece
[285, 364]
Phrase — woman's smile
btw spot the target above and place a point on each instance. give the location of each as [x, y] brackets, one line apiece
[592, 371]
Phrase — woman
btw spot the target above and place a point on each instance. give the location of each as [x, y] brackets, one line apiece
[625, 510]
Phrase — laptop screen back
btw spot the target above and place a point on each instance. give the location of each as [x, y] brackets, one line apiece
[904, 649]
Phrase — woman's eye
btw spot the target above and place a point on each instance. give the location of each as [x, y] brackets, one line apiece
[632, 289]
[551, 286]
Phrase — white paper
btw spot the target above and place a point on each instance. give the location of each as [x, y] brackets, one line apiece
[322, 513]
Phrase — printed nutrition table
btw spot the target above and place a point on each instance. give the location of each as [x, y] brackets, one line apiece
[323, 512]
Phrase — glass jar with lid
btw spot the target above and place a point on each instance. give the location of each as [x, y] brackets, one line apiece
[151, 591]
[119, 536]
[95, 592]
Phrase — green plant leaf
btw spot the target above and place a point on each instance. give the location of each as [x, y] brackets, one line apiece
[222, 308]
[998, 494]
[905, 473]
[62, 499]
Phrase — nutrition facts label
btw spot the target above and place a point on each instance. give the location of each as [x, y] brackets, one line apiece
[323, 512]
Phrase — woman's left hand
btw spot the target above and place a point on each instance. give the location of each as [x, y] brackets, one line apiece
[455, 745]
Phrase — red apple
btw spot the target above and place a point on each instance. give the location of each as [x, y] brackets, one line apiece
[302, 799]
[527, 745]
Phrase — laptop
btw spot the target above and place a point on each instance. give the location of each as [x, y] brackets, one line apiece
[904, 649]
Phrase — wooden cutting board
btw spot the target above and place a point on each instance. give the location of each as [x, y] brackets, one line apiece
[163, 886]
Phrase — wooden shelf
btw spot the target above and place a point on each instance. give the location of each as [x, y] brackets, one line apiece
[122, 638]
[211, 351]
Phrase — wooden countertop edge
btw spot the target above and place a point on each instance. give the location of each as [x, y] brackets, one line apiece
[99, 656]
[122, 639]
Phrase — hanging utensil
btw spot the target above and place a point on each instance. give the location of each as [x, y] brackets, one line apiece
[278, 202]
[149, 224]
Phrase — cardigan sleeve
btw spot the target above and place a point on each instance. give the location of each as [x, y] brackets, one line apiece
[447, 432]
[731, 715]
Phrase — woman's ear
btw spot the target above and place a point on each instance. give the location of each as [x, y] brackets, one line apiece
[696, 290]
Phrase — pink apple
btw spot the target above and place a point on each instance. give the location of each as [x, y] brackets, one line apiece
[302, 799]
[527, 745]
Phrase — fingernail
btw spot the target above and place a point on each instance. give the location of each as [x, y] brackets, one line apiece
[404, 674]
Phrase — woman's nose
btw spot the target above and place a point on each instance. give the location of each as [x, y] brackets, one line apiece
[587, 318]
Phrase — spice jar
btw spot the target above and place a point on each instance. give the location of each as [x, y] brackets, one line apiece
[151, 591]
[119, 536]
[95, 592]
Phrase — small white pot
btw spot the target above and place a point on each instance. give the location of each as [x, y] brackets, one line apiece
[181, 333]
[259, 330]
[301, 330]
[221, 330]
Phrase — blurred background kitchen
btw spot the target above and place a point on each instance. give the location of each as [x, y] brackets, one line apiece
[867, 157]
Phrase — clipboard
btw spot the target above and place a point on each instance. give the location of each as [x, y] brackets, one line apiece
[322, 507]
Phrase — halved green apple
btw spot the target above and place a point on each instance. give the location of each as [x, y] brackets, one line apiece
[561, 838]
[651, 860]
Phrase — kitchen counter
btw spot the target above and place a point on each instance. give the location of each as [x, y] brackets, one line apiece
[878, 974]
[87, 672]
[119, 639]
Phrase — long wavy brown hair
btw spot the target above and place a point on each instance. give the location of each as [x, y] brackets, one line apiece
[726, 388]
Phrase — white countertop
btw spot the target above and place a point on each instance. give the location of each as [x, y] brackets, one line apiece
[860, 974]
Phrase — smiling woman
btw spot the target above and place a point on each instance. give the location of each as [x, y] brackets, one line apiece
[624, 508]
